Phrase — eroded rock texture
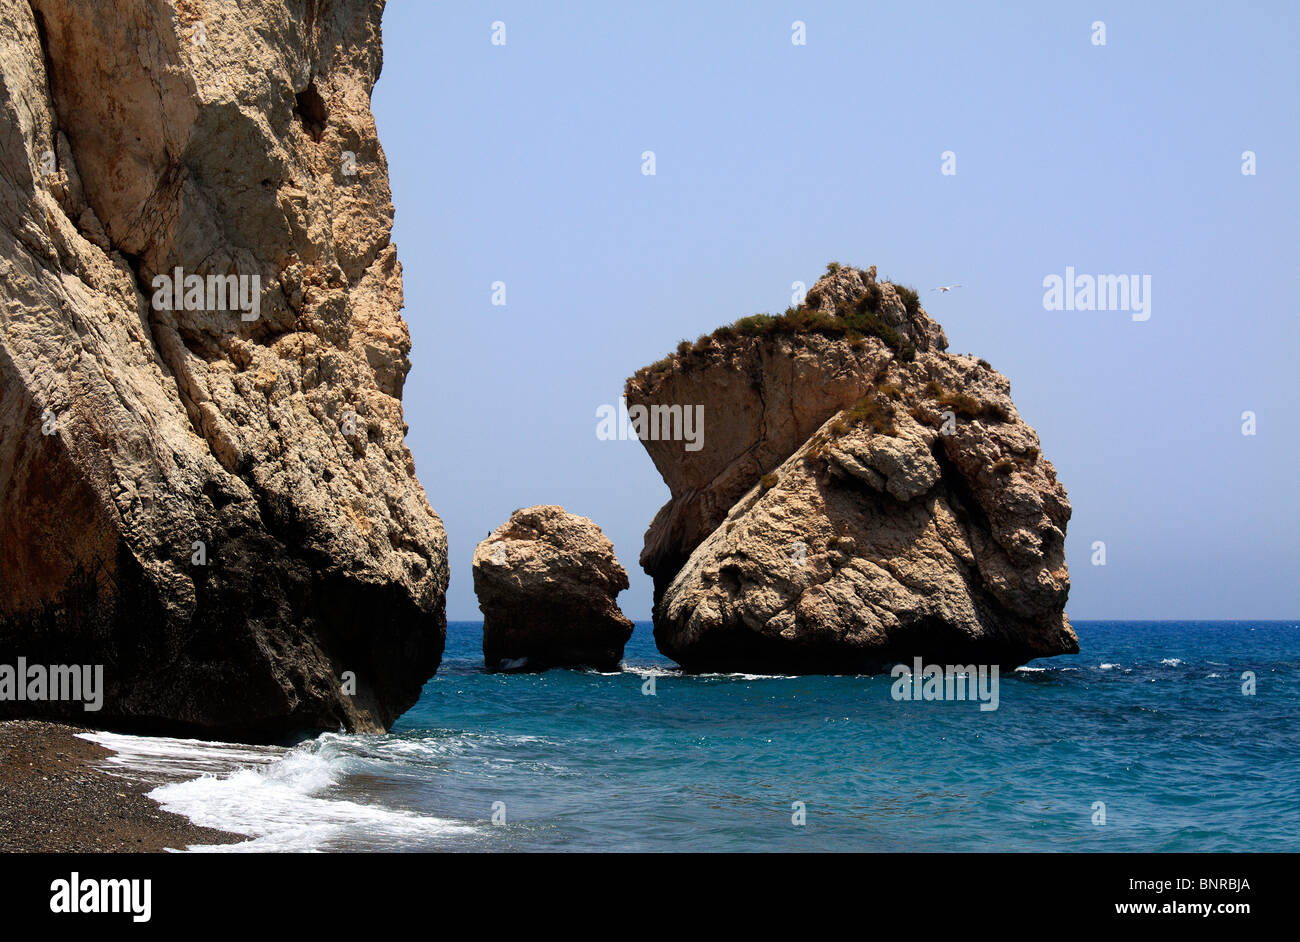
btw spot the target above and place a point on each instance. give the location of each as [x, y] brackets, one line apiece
[860, 499]
[547, 581]
[764, 395]
[221, 138]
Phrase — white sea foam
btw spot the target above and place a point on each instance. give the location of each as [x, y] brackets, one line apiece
[1171, 661]
[159, 759]
[1107, 667]
[285, 799]
[660, 671]
[753, 676]
[649, 671]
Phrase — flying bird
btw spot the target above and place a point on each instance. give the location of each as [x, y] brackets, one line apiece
[945, 288]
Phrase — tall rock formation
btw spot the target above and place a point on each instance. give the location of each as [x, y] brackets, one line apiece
[206, 484]
[861, 497]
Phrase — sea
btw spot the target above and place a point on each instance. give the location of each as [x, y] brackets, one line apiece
[1157, 736]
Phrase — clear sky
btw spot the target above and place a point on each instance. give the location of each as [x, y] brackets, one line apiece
[522, 163]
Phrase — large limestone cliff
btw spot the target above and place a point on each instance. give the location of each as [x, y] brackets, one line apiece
[861, 497]
[210, 497]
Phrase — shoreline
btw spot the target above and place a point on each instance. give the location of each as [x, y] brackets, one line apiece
[55, 798]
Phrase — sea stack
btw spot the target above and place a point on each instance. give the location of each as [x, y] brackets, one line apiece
[862, 497]
[207, 489]
[547, 581]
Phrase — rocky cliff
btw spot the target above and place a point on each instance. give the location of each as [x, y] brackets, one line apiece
[861, 497]
[206, 485]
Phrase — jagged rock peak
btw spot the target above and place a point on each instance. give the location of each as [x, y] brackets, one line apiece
[845, 293]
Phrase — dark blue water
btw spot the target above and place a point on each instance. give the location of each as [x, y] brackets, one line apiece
[1150, 720]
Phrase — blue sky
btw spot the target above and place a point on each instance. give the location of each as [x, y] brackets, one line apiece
[522, 164]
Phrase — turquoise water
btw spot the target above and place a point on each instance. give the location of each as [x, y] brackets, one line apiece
[1150, 719]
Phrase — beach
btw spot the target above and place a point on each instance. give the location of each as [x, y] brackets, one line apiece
[54, 798]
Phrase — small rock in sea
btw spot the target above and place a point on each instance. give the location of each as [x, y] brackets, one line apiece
[546, 581]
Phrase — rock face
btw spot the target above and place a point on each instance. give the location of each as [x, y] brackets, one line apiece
[207, 491]
[765, 394]
[875, 499]
[547, 581]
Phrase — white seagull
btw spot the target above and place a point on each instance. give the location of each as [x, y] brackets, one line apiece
[946, 288]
